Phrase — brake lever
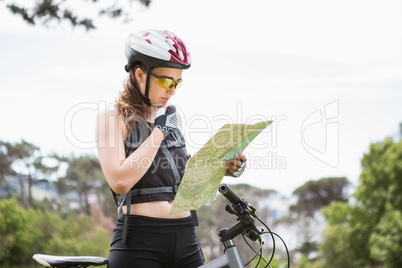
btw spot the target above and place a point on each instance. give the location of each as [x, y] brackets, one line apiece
[244, 207]
[230, 210]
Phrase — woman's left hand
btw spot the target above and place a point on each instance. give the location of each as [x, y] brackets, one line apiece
[237, 164]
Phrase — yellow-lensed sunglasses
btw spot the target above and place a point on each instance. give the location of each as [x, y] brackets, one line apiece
[166, 82]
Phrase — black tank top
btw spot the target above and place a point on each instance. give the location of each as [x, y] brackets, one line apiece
[162, 173]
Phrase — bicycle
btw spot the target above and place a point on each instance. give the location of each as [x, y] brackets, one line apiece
[231, 258]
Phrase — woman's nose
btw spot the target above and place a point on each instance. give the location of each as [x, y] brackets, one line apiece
[172, 91]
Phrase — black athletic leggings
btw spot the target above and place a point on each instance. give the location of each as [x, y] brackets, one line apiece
[155, 243]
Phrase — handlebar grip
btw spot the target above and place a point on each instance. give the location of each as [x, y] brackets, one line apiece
[225, 190]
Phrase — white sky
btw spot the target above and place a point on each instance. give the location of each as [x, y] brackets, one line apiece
[328, 72]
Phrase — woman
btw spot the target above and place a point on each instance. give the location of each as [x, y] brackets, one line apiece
[142, 154]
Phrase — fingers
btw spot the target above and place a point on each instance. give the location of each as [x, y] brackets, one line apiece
[171, 109]
[241, 157]
[232, 167]
[235, 163]
[168, 122]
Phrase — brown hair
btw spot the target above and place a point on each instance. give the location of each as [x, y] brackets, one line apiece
[130, 105]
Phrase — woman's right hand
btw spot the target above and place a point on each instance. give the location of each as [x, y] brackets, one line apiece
[167, 120]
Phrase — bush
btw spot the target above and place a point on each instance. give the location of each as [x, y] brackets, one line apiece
[26, 232]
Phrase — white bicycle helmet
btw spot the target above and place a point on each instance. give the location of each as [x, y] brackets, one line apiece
[156, 48]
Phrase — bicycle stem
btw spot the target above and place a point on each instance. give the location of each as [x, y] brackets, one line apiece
[241, 227]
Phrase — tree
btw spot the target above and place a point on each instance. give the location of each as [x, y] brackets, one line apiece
[15, 233]
[46, 11]
[386, 240]
[379, 196]
[24, 232]
[370, 229]
[314, 195]
[308, 247]
[84, 176]
[5, 167]
[20, 158]
[336, 248]
[26, 163]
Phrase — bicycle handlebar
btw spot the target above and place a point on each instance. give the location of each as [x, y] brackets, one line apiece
[243, 210]
[245, 225]
[225, 190]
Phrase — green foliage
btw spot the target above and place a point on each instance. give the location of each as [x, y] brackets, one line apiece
[335, 250]
[259, 263]
[15, 233]
[369, 231]
[308, 247]
[381, 178]
[5, 166]
[311, 197]
[305, 262]
[379, 196]
[26, 232]
[386, 241]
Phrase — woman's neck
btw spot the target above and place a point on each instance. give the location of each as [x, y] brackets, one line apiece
[150, 115]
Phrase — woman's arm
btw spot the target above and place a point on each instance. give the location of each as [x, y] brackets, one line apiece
[123, 173]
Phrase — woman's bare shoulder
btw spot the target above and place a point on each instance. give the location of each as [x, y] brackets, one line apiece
[110, 118]
[108, 112]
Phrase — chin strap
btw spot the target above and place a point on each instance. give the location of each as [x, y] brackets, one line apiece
[146, 96]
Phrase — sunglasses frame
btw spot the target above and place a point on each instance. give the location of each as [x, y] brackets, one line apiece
[175, 84]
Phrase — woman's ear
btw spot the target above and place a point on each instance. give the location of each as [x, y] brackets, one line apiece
[139, 75]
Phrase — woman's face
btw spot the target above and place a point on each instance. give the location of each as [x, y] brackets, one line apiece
[158, 94]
